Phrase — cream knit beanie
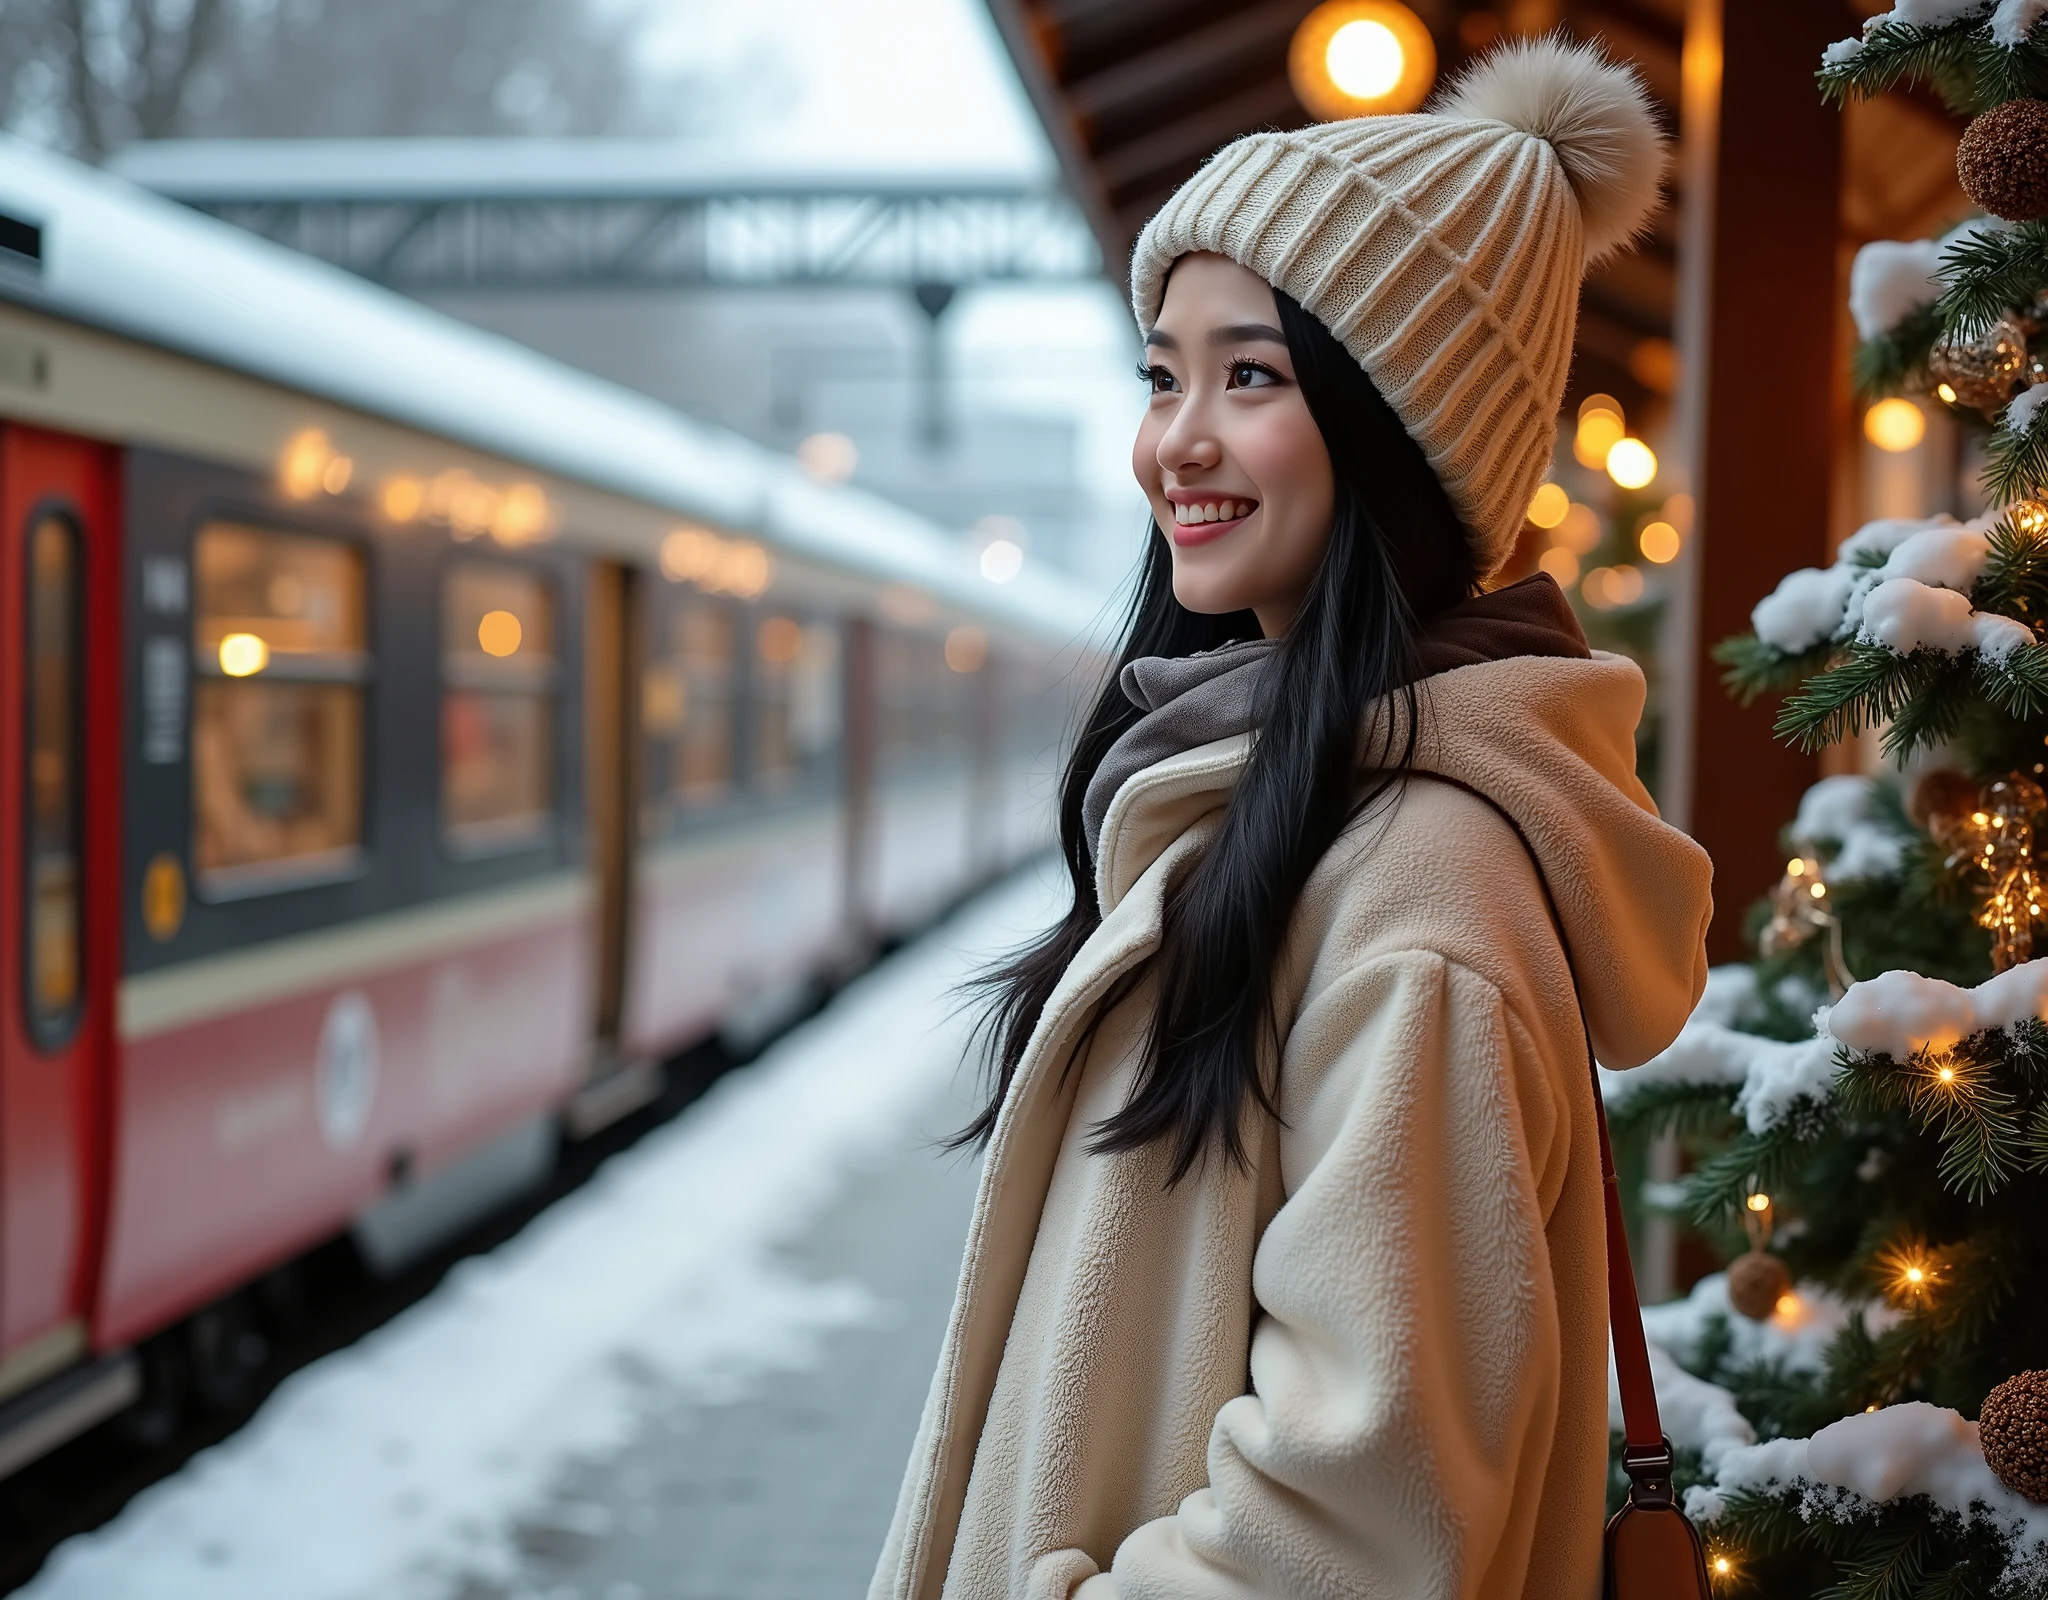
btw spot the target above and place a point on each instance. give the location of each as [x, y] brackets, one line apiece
[1444, 249]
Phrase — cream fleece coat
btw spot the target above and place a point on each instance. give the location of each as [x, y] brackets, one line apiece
[1374, 1363]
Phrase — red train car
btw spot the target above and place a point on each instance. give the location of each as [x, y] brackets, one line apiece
[405, 744]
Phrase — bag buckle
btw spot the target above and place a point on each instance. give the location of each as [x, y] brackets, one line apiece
[1649, 1473]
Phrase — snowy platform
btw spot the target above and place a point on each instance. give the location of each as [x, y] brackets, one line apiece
[696, 1378]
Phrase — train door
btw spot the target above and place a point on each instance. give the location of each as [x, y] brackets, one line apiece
[59, 839]
[612, 785]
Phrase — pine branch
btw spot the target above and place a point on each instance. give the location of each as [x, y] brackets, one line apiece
[1895, 362]
[1892, 1567]
[1986, 272]
[2018, 685]
[1750, 668]
[1868, 684]
[1959, 59]
[2014, 581]
[1770, 1161]
[1677, 1108]
[2016, 464]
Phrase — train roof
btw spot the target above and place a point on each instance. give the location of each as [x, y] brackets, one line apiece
[117, 257]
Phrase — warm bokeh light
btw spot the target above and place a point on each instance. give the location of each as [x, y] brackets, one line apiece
[1364, 59]
[1561, 564]
[1945, 394]
[1659, 542]
[1758, 1202]
[828, 457]
[1578, 530]
[498, 633]
[1654, 364]
[1356, 58]
[966, 648]
[1548, 506]
[1631, 463]
[403, 498]
[1001, 560]
[243, 655]
[780, 641]
[1600, 430]
[720, 566]
[523, 516]
[1894, 424]
[1608, 587]
[311, 465]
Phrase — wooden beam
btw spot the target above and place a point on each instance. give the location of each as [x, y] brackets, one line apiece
[1758, 315]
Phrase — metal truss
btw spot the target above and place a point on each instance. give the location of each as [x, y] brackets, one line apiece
[812, 235]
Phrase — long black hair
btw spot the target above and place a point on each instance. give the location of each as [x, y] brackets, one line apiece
[1397, 554]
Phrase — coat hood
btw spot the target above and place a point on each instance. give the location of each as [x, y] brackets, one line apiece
[1551, 741]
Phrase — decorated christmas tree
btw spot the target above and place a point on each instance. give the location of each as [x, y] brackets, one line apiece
[1861, 1398]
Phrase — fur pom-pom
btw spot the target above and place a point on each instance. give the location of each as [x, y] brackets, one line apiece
[1594, 114]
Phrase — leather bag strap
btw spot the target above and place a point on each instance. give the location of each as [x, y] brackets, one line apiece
[1646, 1454]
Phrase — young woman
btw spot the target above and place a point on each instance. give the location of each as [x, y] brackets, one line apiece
[1286, 1274]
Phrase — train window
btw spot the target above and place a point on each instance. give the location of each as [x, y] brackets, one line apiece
[55, 669]
[796, 701]
[686, 708]
[497, 705]
[923, 701]
[279, 635]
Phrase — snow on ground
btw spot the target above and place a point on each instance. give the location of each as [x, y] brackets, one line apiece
[392, 1469]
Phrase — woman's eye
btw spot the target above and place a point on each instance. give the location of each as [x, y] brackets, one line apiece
[1159, 380]
[1249, 375]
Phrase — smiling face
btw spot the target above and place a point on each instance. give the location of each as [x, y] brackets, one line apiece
[1235, 467]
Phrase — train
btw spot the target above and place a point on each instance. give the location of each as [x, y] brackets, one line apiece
[407, 744]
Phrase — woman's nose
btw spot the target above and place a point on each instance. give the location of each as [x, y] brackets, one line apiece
[1188, 445]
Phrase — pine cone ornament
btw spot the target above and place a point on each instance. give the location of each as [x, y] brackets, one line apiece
[2003, 160]
[1757, 1281]
[1981, 373]
[2013, 1429]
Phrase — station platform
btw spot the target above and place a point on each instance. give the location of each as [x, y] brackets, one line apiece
[695, 1378]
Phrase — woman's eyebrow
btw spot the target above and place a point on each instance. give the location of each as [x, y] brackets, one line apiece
[1239, 332]
[1162, 341]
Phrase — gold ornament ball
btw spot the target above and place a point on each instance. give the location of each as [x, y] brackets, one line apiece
[1982, 372]
[1757, 1281]
[2003, 160]
[2013, 1429]
[1941, 800]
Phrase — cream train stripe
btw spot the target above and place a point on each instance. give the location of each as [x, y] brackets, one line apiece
[213, 986]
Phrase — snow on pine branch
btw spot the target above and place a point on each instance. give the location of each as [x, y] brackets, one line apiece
[1978, 53]
[1897, 1016]
[1913, 621]
[1840, 822]
[1904, 1014]
[1874, 1457]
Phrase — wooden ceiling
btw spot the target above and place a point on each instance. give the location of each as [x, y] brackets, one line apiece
[1135, 94]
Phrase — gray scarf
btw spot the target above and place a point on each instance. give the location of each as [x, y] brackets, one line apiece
[1193, 700]
[1187, 701]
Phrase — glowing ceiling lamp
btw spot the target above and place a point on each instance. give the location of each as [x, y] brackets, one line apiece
[1358, 58]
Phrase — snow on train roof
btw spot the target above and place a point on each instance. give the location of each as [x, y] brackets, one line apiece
[218, 171]
[117, 257]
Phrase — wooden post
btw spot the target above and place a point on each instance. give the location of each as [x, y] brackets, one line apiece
[1757, 319]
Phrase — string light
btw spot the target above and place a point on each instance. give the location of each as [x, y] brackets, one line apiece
[1758, 1202]
[1908, 1270]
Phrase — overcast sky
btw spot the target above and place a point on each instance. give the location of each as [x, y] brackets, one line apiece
[870, 83]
